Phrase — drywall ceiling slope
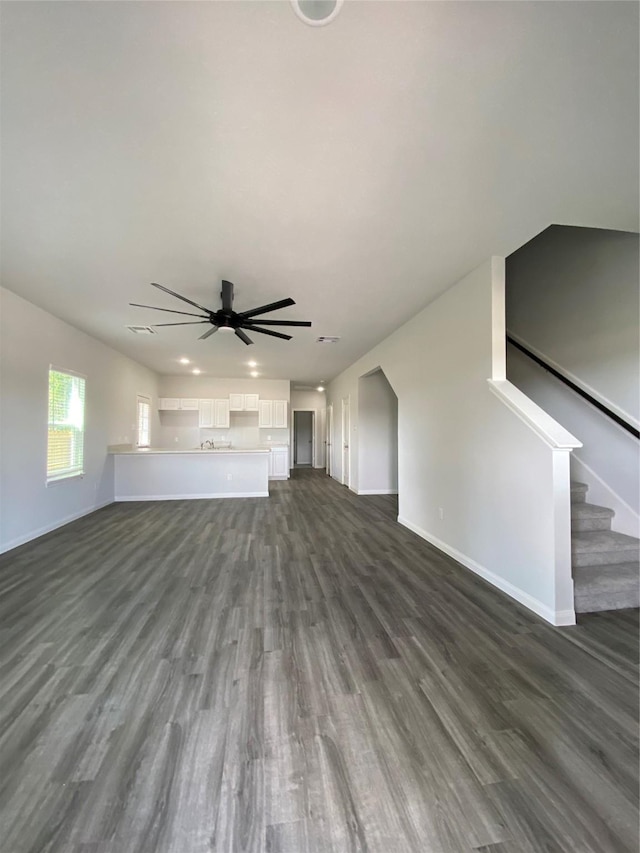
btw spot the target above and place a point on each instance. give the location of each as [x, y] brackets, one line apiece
[360, 167]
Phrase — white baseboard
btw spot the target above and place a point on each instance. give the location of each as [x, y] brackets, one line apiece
[190, 497]
[377, 492]
[557, 618]
[48, 528]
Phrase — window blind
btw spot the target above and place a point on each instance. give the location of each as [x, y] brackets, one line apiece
[65, 448]
[144, 413]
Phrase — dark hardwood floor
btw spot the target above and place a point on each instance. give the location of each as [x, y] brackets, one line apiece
[299, 673]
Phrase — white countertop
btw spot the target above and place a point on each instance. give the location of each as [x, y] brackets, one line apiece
[153, 451]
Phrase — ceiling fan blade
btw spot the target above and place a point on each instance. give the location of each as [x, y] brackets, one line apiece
[245, 338]
[169, 310]
[264, 309]
[184, 323]
[279, 322]
[227, 296]
[177, 295]
[268, 332]
[209, 332]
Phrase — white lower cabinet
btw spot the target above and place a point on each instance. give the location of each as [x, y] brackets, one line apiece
[279, 463]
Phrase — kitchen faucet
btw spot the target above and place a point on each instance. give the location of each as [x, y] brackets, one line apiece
[206, 445]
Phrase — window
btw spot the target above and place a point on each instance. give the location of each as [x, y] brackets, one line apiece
[144, 412]
[65, 447]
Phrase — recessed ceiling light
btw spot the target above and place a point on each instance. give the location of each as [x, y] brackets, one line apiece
[196, 370]
[319, 388]
[184, 361]
[252, 363]
[316, 13]
[255, 373]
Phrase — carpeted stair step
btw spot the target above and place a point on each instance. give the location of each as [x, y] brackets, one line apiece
[586, 516]
[613, 587]
[578, 492]
[603, 548]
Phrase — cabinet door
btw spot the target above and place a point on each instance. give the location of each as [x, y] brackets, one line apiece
[236, 402]
[280, 460]
[265, 413]
[205, 417]
[221, 414]
[169, 403]
[251, 402]
[279, 414]
[190, 404]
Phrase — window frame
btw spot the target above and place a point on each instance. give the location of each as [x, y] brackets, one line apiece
[143, 400]
[76, 472]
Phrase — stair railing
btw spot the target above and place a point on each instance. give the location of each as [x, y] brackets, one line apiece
[584, 394]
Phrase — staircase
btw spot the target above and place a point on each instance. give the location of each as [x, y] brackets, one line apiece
[605, 563]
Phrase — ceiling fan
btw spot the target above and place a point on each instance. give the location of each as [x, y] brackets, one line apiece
[226, 318]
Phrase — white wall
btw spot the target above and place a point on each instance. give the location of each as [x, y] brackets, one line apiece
[378, 439]
[316, 402]
[502, 490]
[179, 430]
[31, 340]
[573, 297]
[609, 460]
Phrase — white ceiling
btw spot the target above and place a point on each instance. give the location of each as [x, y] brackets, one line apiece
[360, 168]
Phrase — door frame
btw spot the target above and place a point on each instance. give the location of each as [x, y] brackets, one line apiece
[313, 436]
[346, 434]
[328, 443]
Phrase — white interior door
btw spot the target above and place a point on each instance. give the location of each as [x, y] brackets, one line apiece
[346, 434]
[328, 440]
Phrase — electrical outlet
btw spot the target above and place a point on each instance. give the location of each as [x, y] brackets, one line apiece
[441, 513]
[229, 476]
[175, 438]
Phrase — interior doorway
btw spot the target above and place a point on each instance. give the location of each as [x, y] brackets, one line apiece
[346, 432]
[377, 435]
[303, 438]
[328, 461]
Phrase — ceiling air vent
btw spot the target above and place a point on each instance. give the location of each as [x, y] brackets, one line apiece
[142, 330]
[327, 339]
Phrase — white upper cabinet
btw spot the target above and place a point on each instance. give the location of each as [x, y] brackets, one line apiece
[184, 404]
[190, 404]
[280, 414]
[169, 403]
[214, 414]
[265, 413]
[243, 402]
[206, 415]
[272, 414]
[221, 414]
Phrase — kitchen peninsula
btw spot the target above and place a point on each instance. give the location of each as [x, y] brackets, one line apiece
[161, 474]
